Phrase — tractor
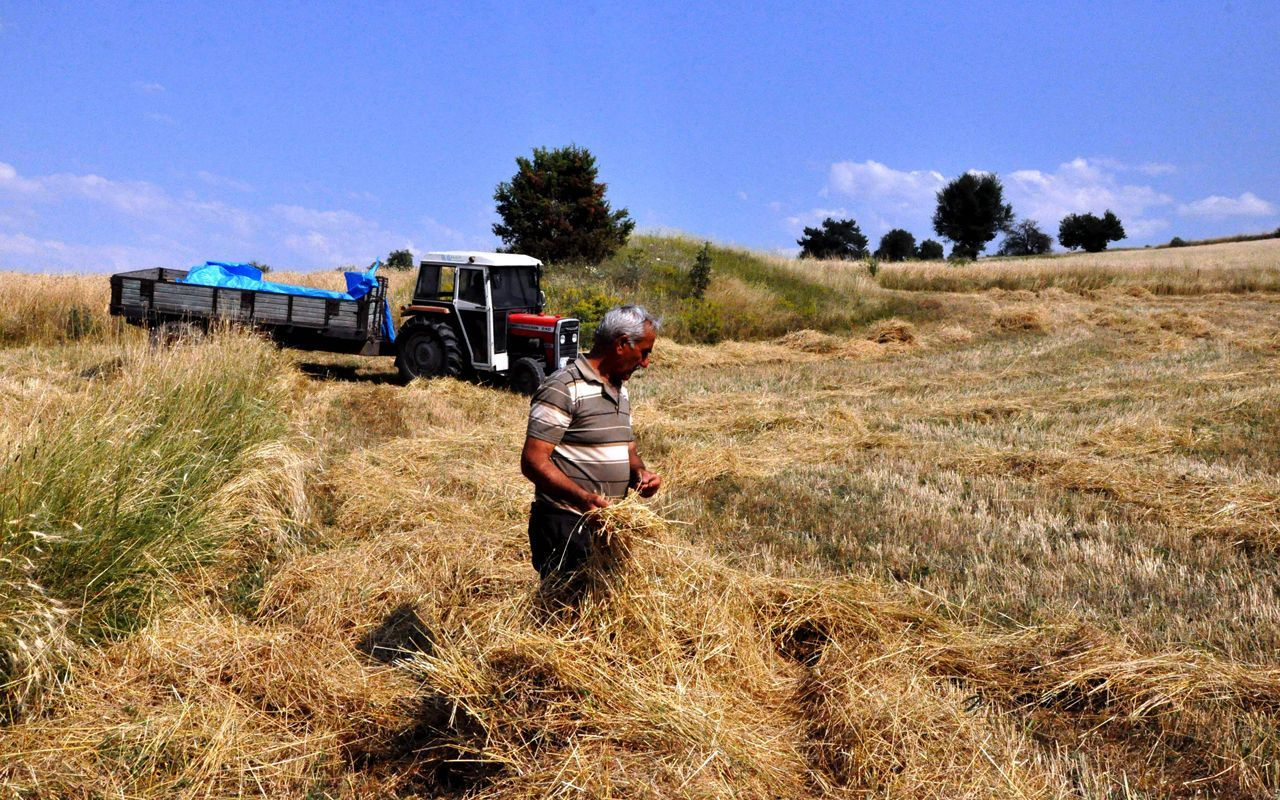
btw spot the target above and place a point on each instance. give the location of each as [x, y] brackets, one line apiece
[480, 314]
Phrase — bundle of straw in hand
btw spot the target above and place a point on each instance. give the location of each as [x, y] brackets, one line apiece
[617, 527]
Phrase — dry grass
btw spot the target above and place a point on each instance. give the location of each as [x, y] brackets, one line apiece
[52, 309]
[962, 562]
[1237, 267]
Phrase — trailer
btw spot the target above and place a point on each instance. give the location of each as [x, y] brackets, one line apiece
[317, 320]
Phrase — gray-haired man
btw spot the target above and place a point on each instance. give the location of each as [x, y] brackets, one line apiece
[579, 451]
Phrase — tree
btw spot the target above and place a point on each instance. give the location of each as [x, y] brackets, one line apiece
[930, 250]
[263, 268]
[971, 210]
[554, 209]
[700, 274]
[842, 239]
[897, 245]
[1090, 232]
[400, 259]
[1025, 239]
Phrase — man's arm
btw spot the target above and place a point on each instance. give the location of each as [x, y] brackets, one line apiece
[536, 465]
[642, 480]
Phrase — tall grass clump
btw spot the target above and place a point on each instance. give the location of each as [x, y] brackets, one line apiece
[54, 309]
[172, 465]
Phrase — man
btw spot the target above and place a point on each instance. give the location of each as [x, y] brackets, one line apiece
[579, 451]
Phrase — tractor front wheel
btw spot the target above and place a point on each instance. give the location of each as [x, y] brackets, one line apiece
[428, 351]
[527, 375]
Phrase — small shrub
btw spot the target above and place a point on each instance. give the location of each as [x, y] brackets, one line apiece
[700, 321]
[586, 305]
[631, 271]
[400, 259]
[700, 275]
[80, 323]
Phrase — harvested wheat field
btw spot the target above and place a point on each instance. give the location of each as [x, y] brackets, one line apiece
[1027, 545]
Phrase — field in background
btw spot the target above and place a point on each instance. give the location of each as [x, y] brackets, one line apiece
[1251, 266]
[948, 539]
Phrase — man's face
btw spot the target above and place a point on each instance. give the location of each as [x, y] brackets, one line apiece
[630, 356]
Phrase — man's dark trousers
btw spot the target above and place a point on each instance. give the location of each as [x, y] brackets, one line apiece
[558, 540]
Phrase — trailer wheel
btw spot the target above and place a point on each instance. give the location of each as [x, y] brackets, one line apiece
[428, 351]
[527, 375]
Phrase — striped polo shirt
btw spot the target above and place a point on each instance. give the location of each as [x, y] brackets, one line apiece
[589, 422]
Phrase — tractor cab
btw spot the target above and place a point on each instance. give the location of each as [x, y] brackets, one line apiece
[477, 312]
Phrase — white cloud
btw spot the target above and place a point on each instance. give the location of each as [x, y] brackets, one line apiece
[813, 217]
[333, 236]
[19, 251]
[888, 189]
[316, 218]
[1219, 207]
[879, 197]
[443, 237]
[12, 181]
[146, 87]
[1138, 228]
[143, 224]
[223, 182]
[1084, 186]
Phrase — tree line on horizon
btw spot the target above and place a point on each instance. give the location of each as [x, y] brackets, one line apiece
[970, 213]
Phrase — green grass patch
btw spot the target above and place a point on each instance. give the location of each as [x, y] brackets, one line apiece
[112, 504]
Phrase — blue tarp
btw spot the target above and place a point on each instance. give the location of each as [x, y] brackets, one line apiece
[246, 276]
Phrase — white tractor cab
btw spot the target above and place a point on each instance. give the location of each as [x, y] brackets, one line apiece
[481, 313]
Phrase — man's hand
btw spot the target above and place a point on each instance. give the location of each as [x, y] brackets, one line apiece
[642, 480]
[647, 483]
[590, 502]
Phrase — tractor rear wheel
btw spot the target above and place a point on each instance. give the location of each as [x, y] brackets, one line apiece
[527, 374]
[429, 351]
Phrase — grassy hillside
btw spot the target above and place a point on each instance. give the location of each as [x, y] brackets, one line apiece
[977, 543]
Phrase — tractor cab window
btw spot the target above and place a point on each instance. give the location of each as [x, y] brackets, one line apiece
[471, 286]
[514, 287]
[435, 282]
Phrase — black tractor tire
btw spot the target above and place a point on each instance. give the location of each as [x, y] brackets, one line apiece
[526, 375]
[429, 350]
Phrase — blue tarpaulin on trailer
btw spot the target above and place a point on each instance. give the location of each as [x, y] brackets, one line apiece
[249, 277]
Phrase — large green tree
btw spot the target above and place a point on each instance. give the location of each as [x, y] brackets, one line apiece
[930, 250]
[897, 245]
[554, 209]
[1089, 231]
[833, 239]
[971, 211]
[1024, 238]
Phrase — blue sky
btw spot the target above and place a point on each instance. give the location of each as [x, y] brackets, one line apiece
[310, 135]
